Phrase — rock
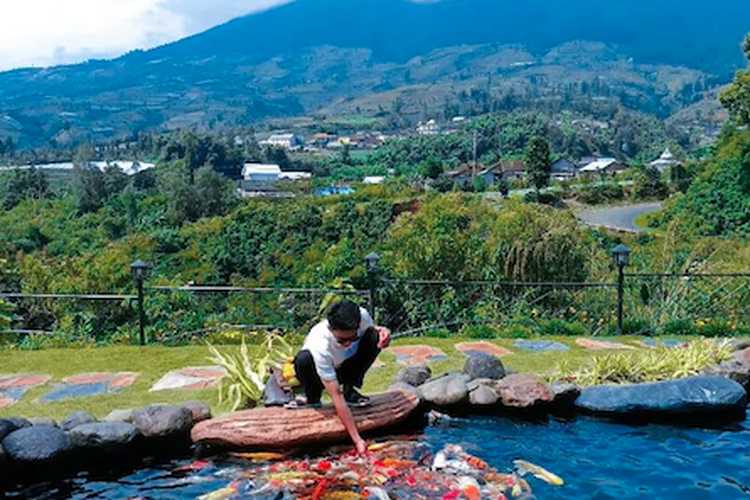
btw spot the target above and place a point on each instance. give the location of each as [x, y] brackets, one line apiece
[272, 428]
[402, 386]
[37, 445]
[483, 396]
[42, 421]
[473, 384]
[483, 365]
[414, 375]
[737, 368]
[704, 395]
[523, 391]
[742, 345]
[75, 419]
[199, 410]
[104, 436]
[163, 421]
[450, 390]
[564, 392]
[12, 424]
[120, 416]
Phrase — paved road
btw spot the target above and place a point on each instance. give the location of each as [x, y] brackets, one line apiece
[619, 218]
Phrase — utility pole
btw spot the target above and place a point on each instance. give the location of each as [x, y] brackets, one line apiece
[474, 171]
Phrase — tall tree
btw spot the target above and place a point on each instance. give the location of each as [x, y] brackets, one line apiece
[22, 184]
[538, 163]
[736, 99]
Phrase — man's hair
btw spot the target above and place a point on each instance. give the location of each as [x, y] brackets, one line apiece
[344, 315]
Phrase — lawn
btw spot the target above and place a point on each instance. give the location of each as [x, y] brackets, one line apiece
[153, 362]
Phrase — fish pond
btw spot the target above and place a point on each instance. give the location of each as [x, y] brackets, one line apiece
[464, 458]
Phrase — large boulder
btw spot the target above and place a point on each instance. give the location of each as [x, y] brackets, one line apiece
[120, 416]
[700, 396]
[12, 424]
[737, 368]
[104, 436]
[447, 391]
[403, 386]
[414, 375]
[37, 445]
[483, 396]
[483, 365]
[75, 419]
[523, 392]
[199, 410]
[163, 421]
[42, 421]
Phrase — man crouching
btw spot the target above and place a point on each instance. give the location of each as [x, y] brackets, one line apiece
[336, 355]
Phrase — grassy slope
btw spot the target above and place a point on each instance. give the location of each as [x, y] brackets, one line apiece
[153, 362]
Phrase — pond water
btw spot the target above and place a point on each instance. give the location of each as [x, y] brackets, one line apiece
[597, 460]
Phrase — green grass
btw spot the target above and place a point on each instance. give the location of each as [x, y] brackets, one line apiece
[153, 362]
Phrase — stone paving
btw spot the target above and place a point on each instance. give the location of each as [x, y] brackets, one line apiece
[669, 343]
[482, 347]
[413, 355]
[601, 345]
[90, 384]
[541, 345]
[191, 378]
[13, 387]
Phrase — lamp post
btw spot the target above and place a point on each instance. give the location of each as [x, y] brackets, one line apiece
[140, 271]
[372, 273]
[621, 256]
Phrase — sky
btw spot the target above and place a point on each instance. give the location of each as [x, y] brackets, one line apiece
[50, 32]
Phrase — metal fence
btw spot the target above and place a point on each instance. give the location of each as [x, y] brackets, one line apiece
[710, 304]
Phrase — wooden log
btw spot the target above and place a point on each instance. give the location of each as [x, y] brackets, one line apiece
[273, 428]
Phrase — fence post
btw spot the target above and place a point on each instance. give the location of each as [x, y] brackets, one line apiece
[372, 275]
[140, 270]
[621, 255]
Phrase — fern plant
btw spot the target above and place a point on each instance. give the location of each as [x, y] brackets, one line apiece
[248, 373]
[6, 314]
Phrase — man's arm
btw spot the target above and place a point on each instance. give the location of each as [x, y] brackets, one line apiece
[345, 414]
[384, 335]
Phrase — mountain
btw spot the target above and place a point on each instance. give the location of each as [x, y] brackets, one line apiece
[694, 33]
[374, 57]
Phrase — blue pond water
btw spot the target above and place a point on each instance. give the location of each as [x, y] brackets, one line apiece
[597, 459]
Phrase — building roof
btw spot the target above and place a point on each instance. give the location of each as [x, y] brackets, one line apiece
[295, 176]
[599, 165]
[260, 169]
[373, 179]
[281, 137]
[509, 166]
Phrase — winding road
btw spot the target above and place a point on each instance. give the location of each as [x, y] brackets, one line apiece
[618, 218]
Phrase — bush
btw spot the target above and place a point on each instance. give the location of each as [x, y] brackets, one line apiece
[478, 332]
[600, 193]
[560, 327]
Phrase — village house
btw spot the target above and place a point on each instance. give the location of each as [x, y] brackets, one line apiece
[562, 169]
[286, 141]
[602, 165]
[429, 128]
[510, 170]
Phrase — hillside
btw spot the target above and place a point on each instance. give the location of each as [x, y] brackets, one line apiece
[388, 58]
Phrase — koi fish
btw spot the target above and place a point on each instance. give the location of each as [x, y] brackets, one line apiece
[222, 494]
[538, 472]
[376, 493]
[260, 457]
[319, 490]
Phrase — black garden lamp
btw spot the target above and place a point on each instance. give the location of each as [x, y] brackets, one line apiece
[621, 256]
[140, 272]
[372, 263]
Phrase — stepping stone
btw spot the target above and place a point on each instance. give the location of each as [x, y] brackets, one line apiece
[191, 378]
[668, 343]
[541, 345]
[13, 387]
[600, 345]
[469, 348]
[411, 355]
[90, 384]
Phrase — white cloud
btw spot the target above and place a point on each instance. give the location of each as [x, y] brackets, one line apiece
[48, 32]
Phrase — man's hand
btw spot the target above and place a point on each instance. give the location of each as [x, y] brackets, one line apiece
[385, 337]
[361, 446]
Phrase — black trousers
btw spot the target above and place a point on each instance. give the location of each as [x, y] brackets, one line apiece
[351, 372]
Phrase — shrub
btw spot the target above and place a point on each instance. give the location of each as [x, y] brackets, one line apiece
[478, 332]
[648, 366]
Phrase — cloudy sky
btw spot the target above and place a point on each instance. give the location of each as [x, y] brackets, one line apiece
[49, 32]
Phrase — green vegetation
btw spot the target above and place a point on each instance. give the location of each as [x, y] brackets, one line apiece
[736, 98]
[654, 365]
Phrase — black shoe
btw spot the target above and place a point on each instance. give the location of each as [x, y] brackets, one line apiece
[301, 403]
[356, 400]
